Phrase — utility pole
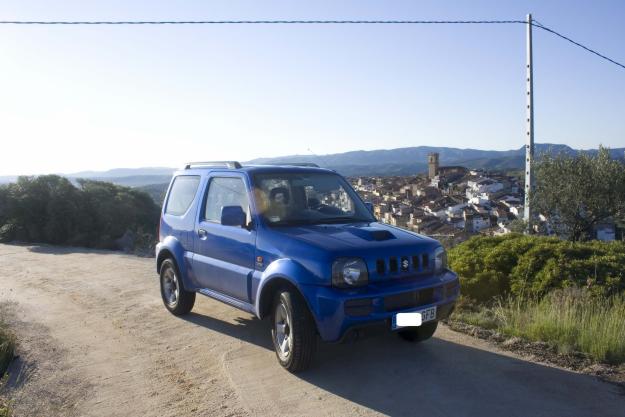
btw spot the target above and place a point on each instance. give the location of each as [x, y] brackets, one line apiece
[529, 146]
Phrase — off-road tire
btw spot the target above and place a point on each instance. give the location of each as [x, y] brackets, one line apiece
[420, 333]
[302, 331]
[185, 299]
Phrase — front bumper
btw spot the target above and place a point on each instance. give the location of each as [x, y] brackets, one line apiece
[338, 311]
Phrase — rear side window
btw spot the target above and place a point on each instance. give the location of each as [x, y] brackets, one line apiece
[182, 194]
[225, 192]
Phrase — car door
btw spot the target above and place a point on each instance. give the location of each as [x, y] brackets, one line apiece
[224, 255]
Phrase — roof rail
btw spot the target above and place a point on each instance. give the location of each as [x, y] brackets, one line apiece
[227, 164]
[297, 164]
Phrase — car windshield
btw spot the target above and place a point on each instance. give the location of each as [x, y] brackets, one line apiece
[291, 199]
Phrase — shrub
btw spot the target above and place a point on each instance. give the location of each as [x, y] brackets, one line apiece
[50, 209]
[523, 265]
[8, 232]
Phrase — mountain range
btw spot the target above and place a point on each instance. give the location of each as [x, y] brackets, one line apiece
[413, 160]
[382, 162]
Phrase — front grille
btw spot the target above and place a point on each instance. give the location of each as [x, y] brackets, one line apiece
[414, 264]
[409, 299]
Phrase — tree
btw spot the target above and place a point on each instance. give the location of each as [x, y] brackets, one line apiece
[518, 226]
[50, 209]
[577, 192]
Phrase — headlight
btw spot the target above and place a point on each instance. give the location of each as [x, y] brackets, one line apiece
[440, 259]
[349, 272]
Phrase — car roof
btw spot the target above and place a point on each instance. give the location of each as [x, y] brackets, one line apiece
[253, 169]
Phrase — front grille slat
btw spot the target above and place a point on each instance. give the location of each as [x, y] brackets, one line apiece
[392, 264]
[380, 267]
[415, 263]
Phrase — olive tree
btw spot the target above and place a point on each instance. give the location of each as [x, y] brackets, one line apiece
[576, 192]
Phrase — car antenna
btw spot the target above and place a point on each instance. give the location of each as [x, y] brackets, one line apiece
[319, 157]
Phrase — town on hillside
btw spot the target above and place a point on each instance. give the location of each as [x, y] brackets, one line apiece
[452, 203]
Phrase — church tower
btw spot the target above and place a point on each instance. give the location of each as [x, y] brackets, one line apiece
[432, 165]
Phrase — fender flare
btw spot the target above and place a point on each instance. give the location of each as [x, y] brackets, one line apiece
[171, 247]
[282, 270]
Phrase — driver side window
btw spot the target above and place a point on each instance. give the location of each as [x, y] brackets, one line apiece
[223, 192]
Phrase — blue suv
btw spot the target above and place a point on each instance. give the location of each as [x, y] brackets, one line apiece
[296, 244]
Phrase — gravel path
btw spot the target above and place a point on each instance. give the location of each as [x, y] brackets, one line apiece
[95, 340]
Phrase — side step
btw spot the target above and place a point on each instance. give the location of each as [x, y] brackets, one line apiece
[226, 299]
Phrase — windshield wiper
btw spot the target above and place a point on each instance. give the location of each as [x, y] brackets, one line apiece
[331, 220]
[294, 222]
[328, 220]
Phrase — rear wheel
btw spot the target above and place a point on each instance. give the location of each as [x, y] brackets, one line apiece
[293, 331]
[176, 299]
[420, 333]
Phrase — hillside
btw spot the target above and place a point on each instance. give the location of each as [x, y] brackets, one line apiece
[413, 160]
[156, 191]
[381, 162]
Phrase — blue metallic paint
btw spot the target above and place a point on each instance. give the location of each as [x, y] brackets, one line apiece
[225, 268]
[328, 303]
[182, 258]
[224, 260]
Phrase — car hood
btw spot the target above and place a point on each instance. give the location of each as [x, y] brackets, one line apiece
[356, 238]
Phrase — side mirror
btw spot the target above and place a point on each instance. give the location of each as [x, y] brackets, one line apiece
[233, 216]
[369, 207]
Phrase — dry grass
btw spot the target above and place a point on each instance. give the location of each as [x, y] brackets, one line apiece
[570, 319]
[7, 350]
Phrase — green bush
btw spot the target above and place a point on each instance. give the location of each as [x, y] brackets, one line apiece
[531, 266]
[50, 209]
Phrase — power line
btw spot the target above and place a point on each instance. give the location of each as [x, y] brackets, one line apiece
[257, 22]
[309, 22]
[592, 51]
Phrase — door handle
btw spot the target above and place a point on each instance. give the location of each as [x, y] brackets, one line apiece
[203, 234]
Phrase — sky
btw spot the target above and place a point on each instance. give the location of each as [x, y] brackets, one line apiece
[76, 98]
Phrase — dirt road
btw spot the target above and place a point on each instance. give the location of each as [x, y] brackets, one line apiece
[96, 341]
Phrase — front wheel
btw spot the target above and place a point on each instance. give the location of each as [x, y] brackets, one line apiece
[293, 331]
[420, 333]
[176, 299]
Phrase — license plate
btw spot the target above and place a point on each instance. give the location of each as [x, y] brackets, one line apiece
[413, 318]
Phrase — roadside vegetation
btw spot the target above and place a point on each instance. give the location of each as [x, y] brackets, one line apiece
[7, 347]
[94, 214]
[569, 294]
[7, 352]
[578, 192]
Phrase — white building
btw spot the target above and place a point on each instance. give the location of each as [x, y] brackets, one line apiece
[485, 185]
